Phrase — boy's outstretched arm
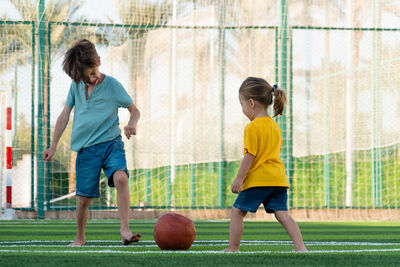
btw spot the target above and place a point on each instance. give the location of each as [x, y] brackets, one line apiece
[61, 123]
[242, 173]
[130, 129]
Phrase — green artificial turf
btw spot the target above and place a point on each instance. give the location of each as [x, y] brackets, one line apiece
[44, 243]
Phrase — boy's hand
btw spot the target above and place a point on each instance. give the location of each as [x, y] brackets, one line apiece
[130, 130]
[48, 154]
[236, 185]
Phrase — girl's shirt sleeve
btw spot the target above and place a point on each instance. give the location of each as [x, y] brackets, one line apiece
[250, 140]
[71, 95]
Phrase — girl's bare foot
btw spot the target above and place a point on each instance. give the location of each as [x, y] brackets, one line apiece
[128, 238]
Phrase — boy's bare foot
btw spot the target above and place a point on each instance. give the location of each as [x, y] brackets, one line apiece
[230, 250]
[300, 250]
[77, 243]
[129, 238]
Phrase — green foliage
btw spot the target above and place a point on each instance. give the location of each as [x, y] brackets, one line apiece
[308, 180]
[58, 184]
[308, 184]
[205, 180]
[148, 187]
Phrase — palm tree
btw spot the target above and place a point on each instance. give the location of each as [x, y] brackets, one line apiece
[17, 39]
[143, 18]
[17, 46]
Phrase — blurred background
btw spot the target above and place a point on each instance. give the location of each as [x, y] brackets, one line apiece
[182, 61]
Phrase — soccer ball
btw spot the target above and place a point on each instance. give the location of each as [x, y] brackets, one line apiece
[174, 232]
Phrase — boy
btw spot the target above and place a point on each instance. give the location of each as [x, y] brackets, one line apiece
[95, 135]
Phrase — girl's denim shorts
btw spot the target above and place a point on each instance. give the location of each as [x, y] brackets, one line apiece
[273, 198]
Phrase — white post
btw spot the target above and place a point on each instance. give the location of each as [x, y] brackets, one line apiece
[173, 90]
[10, 214]
[349, 103]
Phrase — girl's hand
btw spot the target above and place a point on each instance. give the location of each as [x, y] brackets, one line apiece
[130, 130]
[236, 185]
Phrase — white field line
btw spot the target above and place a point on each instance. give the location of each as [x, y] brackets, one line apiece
[152, 246]
[93, 221]
[113, 246]
[203, 242]
[60, 222]
[65, 222]
[191, 252]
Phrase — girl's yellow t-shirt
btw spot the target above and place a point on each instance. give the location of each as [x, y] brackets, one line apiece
[263, 139]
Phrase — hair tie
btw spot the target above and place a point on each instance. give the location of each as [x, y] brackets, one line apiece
[274, 87]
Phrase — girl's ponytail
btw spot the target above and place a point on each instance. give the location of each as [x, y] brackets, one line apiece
[260, 90]
[279, 101]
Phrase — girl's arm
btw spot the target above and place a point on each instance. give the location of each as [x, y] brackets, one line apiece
[130, 129]
[242, 173]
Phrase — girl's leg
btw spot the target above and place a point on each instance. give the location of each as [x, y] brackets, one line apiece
[292, 228]
[236, 229]
[82, 210]
[123, 202]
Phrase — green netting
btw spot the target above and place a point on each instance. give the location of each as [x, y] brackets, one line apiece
[182, 62]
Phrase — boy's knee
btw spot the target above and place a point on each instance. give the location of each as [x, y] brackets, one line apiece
[120, 178]
[282, 215]
[84, 202]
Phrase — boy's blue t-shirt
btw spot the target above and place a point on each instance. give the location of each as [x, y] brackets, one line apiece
[96, 119]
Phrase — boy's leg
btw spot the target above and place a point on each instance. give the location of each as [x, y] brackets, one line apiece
[235, 229]
[82, 210]
[123, 202]
[292, 228]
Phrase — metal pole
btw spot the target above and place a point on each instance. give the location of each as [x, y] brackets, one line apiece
[15, 109]
[349, 115]
[47, 114]
[290, 165]
[326, 112]
[376, 158]
[192, 165]
[168, 186]
[287, 116]
[41, 130]
[276, 54]
[251, 44]
[148, 186]
[148, 128]
[221, 61]
[33, 148]
[172, 76]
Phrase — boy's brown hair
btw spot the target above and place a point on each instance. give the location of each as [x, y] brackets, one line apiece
[81, 56]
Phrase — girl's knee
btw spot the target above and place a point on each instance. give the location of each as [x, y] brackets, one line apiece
[238, 212]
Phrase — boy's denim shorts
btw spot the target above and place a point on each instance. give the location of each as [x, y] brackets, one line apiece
[109, 156]
[274, 198]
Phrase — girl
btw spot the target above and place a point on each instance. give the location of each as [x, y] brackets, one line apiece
[261, 177]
